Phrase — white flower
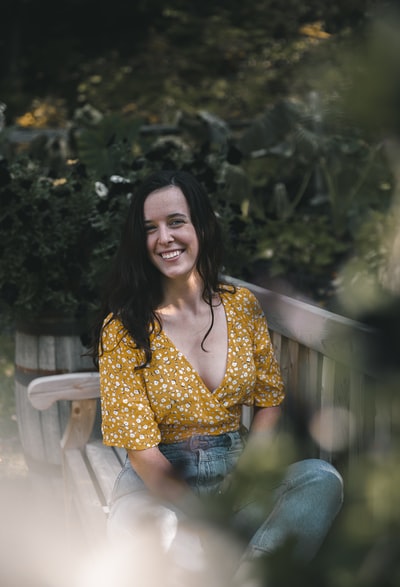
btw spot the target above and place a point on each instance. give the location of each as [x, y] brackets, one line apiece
[101, 189]
[118, 179]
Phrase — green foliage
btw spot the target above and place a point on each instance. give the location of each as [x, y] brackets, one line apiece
[58, 235]
[99, 147]
[304, 246]
[315, 179]
[285, 192]
[363, 284]
[369, 69]
[50, 236]
[320, 158]
[157, 58]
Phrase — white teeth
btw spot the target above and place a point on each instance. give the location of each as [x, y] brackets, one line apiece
[170, 255]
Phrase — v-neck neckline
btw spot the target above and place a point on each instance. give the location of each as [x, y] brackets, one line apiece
[195, 371]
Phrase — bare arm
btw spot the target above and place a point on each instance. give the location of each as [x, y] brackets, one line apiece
[157, 473]
[265, 421]
[162, 480]
[260, 439]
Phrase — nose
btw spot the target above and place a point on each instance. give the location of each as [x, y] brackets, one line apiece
[164, 235]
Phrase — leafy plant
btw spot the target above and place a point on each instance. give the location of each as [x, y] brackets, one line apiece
[51, 237]
[304, 251]
[315, 179]
[99, 146]
[320, 159]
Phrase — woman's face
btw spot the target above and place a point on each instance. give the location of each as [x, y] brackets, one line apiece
[172, 242]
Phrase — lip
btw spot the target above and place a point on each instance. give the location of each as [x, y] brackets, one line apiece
[171, 255]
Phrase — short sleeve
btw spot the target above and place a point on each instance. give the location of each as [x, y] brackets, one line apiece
[269, 389]
[127, 418]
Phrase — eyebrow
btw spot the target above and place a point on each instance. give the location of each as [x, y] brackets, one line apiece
[169, 217]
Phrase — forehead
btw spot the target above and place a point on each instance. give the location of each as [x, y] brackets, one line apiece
[165, 202]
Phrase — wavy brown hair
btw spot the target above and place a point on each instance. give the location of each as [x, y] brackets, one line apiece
[134, 290]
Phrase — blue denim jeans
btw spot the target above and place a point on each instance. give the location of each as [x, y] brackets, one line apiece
[264, 513]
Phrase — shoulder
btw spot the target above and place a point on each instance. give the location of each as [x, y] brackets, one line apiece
[239, 295]
[117, 345]
[114, 333]
[242, 300]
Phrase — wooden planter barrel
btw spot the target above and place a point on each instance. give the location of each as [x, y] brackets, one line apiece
[45, 346]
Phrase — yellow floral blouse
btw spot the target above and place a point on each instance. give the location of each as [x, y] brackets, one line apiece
[167, 401]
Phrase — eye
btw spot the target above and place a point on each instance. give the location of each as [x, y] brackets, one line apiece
[177, 222]
[149, 228]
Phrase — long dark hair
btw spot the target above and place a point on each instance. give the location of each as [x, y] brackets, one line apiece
[134, 287]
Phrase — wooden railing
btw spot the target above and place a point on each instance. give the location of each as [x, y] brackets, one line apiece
[331, 386]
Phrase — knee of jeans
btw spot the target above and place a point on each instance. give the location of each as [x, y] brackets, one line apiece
[134, 516]
[331, 481]
[319, 472]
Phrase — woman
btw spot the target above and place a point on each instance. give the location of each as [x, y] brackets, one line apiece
[180, 352]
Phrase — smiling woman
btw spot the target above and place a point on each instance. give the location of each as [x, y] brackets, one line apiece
[180, 352]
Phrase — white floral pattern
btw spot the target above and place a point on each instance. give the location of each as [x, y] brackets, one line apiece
[168, 401]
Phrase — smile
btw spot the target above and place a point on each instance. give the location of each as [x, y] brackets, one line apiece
[171, 255]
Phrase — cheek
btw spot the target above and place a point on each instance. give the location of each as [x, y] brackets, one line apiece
[149, 243]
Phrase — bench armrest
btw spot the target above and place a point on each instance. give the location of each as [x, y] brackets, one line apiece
[43, 392]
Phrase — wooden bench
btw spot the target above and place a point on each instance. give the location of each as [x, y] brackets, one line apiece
[321, 358]
[89, 468]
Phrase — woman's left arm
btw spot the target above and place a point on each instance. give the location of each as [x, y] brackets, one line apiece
[260, 440]
[265, 420]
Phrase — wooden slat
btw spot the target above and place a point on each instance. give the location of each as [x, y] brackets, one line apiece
[284, 362]
[80, 424]
[342, 386]
[29, 422]
[370, 399]
[247, 416]
[293, 373]
[308, 376]
[384, 420]
[276, 339]
[121, 453]
[51, 432]
[69, 357]
[83, 495]
[44, 391]
[356, 391]
[327, 382]
[50, 425]
[105, 465]
[26, 349]
[47, 353]
[326, 403]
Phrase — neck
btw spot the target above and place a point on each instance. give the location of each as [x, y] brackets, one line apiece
[183, 294]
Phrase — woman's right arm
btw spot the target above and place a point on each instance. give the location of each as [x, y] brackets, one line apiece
[161, 479]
